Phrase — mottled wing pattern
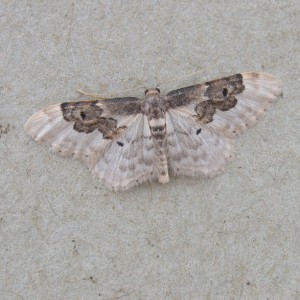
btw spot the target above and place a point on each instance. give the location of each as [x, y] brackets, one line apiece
[107, 135]
[193, 149]
[204, 119]
[130, 159]
[231, 104]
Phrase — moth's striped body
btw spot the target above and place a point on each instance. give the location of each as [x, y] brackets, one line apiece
[155, 108]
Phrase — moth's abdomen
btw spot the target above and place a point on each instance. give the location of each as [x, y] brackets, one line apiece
[158, 132]
[155, 110]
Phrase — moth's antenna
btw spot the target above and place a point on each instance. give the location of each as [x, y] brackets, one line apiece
[129, 90]
[109, 95]
[90, 94]
[191, 74]
[97, 96]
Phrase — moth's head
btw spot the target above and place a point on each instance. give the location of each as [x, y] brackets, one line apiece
[153, 91]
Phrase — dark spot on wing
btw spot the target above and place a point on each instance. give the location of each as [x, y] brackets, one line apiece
[225, 87]
[75, 110]
[221, 94]
[83, 115]
[120, 143]
[219, 89]
[198, 131]
[87, 117]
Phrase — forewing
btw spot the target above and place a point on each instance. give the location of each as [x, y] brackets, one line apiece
[108, 135]
[194, 149]
[230, 104]
[72, 128]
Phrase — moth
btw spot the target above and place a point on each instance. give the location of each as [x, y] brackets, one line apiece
[128, 141]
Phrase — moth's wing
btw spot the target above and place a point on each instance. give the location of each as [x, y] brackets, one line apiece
[90, 131]
[76, 128]
[129, 159]
[231, 104]
[203, 120]
[193, 149]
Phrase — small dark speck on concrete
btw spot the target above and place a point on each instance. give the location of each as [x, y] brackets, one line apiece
[4, 129]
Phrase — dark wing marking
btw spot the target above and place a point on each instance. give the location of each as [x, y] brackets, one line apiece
[101, 115]
[229, 104]
[217, 94]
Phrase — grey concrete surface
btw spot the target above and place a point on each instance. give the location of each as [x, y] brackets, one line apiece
[64, 236]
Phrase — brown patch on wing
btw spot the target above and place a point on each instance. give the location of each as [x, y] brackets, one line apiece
[221, 93]
[184, 96]
[86, 116]
[123, 106]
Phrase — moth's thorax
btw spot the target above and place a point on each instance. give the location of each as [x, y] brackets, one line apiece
[154, 107]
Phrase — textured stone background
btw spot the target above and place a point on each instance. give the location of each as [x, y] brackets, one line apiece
[64, 236]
